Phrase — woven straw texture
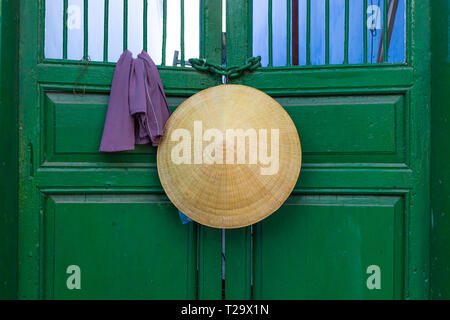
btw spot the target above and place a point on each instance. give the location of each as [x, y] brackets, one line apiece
[236, 194]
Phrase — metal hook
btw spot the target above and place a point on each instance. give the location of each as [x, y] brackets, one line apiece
[88, 61]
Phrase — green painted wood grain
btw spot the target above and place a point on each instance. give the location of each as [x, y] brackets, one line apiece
[209, 263]
[9, 149]
[380, 139]
[238, 36]
[440, 132]
[419, 99]
[237, 264]
[319, 247]
[127, 247]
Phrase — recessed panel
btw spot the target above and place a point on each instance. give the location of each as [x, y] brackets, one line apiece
[331, 247]
[349, 129]
[117, 247]
[341, 129]
[74, 127]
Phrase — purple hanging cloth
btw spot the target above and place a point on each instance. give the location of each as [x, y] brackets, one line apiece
[137, 109]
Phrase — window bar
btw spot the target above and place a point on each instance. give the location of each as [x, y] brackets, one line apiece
[164, 39]
[86, 29]
[365, 31]
[270, 34]
[347, 28]
[66, 7]
[145, 25]
[308, 32]
[182, 32]
[295, 32]
[327, 31]
[125, 25]
[43, 35]
[385, 30]
[288, 33]
[106, 32]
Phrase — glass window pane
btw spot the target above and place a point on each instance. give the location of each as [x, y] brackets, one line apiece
[279, 33]
[396, 30]
[317, 32]
[356, 32]
[397, 51]
[374, 28]
[173, 30]
[54, 29]
[75, 30]
[155, 29]
[337, 31]
[261, 31]
[135, 29]
[96, 25]
[192, 28]
[302, 17]
[135, 33]
[115, 30]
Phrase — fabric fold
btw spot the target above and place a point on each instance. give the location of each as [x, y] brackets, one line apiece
[137, 108]
[157, 108]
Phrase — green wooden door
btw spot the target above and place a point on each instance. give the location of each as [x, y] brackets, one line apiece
[361, 200]
[104, 215]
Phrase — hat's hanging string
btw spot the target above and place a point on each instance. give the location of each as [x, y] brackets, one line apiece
[88, 61]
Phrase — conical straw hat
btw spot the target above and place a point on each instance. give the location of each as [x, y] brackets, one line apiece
[229, 193]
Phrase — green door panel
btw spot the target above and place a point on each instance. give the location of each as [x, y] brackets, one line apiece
[362, 197]
[66, 114]
[126, 246]
[349, 129]
[105, 213]
[319, 247]
[323, 124]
